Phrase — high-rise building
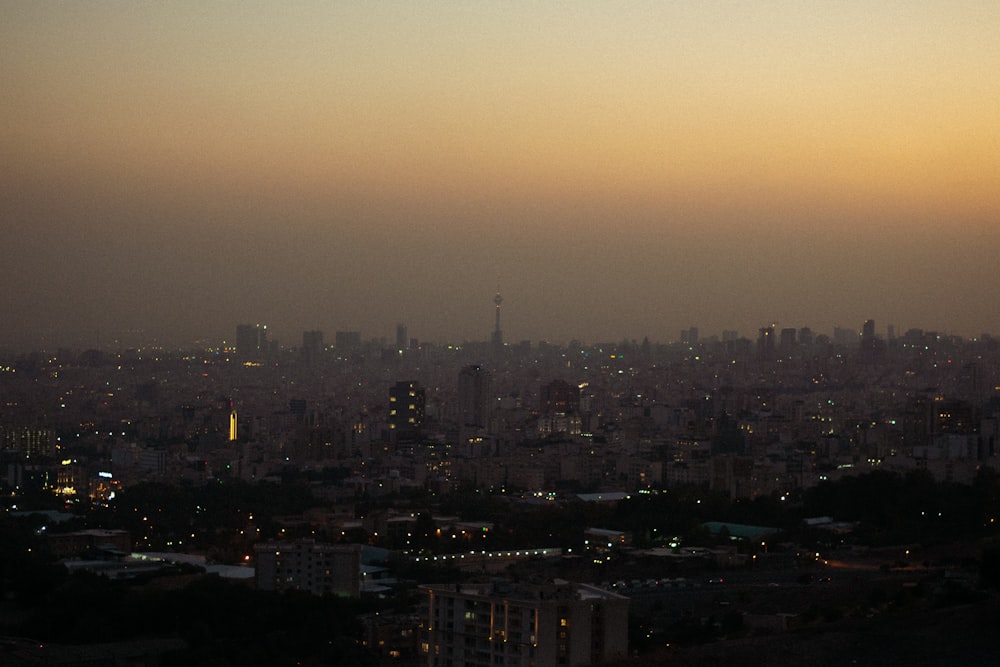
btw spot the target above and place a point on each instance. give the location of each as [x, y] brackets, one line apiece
[246, 339]
[689, 336]
[30, 442]
[844, 336]
[401, 339]
[347, 341]
[475, 396]
[305, 565]
[869, 344]
[501, 623]
[312, 346]
[765, 342]
[868, 330]
[407, 404]
[251, 341]
[787, 343]
[497, 332]
[806, 337]
[559, 396]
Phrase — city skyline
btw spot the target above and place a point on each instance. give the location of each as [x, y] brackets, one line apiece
[624, 171]
[286, 338]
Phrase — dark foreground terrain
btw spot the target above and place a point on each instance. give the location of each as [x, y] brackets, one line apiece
[959, 636]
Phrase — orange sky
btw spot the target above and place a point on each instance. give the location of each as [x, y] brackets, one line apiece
[652, 159]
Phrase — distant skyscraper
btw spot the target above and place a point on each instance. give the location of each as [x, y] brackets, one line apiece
[806, 337]
[765, 342]
[246, 339]
[497, 332]
[312, 346]
[868, 330]
[689, 336]
[345, 341]
[787, 343]
[868, 344]
[251, 341]
[845, 336]
[401, 339]
[475, 396]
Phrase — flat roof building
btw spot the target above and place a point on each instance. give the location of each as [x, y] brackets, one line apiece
[500, 623]
[305, 565]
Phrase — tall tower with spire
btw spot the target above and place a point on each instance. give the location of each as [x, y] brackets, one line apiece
[497, 332]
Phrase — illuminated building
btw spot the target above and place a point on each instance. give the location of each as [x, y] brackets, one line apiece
[603, 542]
[305, 565]
[233, 424]
[63, 545]
[479, 625]
[559, 396]
[104, 487]
[559, 422]
[30, 442]
[406, 405]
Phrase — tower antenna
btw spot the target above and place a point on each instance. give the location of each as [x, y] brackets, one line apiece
[497, 332]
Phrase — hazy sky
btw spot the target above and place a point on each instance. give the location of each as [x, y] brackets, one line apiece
[624, 169]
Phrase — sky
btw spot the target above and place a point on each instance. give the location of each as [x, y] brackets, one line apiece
[618, 169]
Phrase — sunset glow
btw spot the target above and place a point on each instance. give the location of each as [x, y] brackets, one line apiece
[735, 163]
